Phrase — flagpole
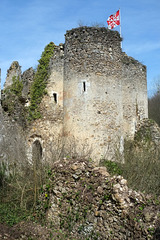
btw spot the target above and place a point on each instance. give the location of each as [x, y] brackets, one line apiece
[120, 26]
[0, 85]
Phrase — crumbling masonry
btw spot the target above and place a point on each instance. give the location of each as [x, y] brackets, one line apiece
[96, 95]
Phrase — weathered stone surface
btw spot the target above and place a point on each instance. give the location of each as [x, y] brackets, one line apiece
[98, 206]
[102, 170]
[148, 131]
[13, 71]
[96, 95]
[27, 79]
[12, 143]
[106, 86]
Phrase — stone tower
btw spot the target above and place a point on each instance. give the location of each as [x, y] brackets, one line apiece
[97, 75]
[96, 95]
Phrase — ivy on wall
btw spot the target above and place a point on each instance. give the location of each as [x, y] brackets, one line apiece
[13, 93]
[38, 88]
[15, 88]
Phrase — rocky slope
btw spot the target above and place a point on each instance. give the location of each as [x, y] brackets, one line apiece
[80, 201]
[86, 203]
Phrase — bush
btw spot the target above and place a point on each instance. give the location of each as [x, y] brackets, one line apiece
[13, 95]
[113, 168]
[15, 88]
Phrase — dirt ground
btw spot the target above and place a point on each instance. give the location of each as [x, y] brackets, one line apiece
[24, 230]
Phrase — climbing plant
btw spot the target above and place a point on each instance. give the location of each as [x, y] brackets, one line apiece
[13, 94]
[15, 88]
[38, 88]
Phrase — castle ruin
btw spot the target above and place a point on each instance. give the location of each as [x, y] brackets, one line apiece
[96, 96]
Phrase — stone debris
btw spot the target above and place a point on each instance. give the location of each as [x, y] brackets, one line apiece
[92, 205]
[86, 202]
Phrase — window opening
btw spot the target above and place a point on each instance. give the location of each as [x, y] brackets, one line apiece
[55, 97]
[84, 86]
[36, 154]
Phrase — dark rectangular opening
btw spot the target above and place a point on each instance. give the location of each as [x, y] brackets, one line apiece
[55, 97]
[84, 86]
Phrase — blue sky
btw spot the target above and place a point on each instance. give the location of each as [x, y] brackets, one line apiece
[28, 26]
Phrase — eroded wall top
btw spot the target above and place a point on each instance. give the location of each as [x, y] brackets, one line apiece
[13, 71]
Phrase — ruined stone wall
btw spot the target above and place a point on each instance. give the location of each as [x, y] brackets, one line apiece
[12, 143]
[96, 95]
[13, 71]
[90, 87]
[88, 203]
[134, 91]
[103, 90]
[27, 80]
[48, 130]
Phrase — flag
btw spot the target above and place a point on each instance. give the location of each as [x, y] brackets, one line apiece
[114, 20]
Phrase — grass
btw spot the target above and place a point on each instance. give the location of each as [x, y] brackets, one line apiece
[141, 168]
[19, 193]
[142, 171]
[12, 214]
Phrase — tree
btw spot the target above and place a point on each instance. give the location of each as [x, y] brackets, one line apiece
[154, 104]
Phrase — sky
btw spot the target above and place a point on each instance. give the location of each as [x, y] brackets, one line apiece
[28, 26]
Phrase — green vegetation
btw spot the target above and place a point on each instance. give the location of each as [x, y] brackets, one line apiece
[154, 103]
[2, 174]
[11, 214]
[143, 135]
[16, 87]
[10, 211]
[13, 95]
[113, 168]
[13, 99]
[38, 88]
[141, 167]
[19, 191]
[153, 107]
[75, 202]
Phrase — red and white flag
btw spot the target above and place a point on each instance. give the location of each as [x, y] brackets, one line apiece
[114, 20]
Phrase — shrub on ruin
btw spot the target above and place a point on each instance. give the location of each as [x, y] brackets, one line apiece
[113, 168]
[38, 88]
[12, 95]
